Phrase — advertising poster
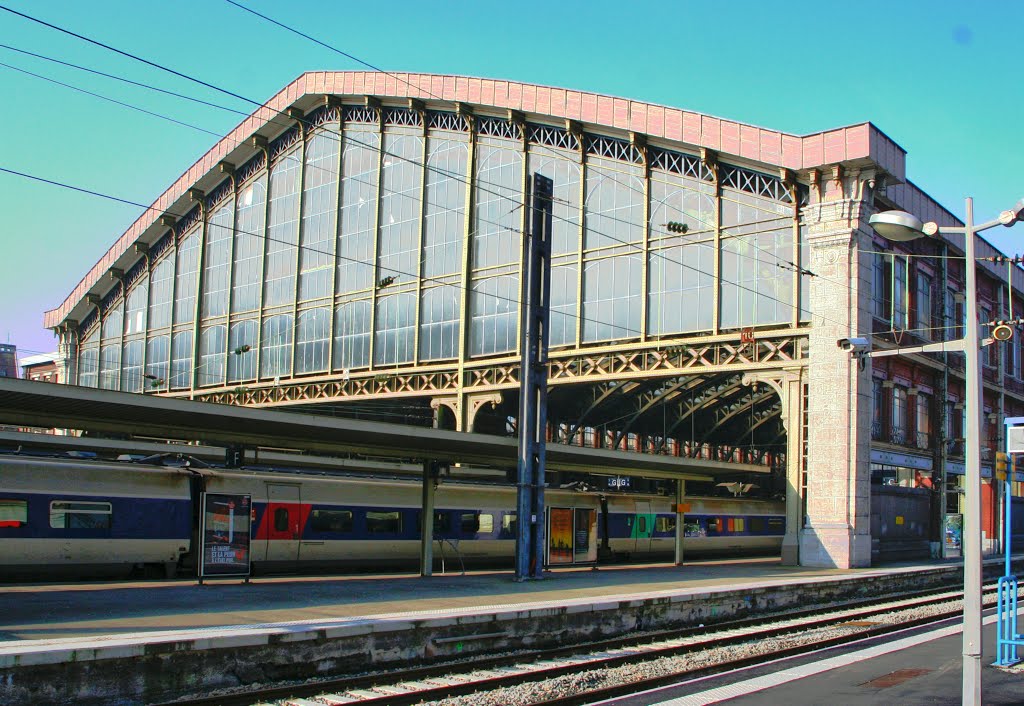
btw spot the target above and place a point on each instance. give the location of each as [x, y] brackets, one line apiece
[225, 535]
[585, 533]
[560, 536]
[952, 534]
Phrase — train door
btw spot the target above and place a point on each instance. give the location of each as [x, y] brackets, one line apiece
[283, 521]
[643, 527]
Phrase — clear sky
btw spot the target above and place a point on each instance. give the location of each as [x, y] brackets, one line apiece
[944, 79]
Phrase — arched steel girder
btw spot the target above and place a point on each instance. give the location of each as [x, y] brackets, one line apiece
[662, 395]
[712, 391]
[746, 404]
[604, 392]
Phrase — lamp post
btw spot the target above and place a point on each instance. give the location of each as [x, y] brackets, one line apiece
[901, 226]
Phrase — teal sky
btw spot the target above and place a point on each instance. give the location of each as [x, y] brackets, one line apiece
[944, 79]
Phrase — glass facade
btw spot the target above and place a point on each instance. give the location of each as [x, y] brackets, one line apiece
[393, 238]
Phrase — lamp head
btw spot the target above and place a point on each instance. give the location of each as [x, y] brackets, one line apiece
[898, 226]
[1012, 215]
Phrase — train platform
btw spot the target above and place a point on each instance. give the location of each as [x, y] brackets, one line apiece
[83, 643]
[915, 667]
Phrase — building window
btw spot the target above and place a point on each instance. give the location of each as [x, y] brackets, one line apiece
[898, 429]
[878, 395]
[882, 280]
[924, 420]
[899, 292]
[924, 305]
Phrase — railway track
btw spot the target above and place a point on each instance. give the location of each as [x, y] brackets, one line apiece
[587, 672]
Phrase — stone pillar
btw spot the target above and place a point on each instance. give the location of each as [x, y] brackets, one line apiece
[67, 355]
[837, 528]
[789, 384]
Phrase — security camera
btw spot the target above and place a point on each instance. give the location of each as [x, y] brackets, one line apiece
[856, 346]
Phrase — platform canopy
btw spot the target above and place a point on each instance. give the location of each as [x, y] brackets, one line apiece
[28, 403]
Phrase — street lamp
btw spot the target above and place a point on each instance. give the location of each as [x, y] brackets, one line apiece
[901, 226]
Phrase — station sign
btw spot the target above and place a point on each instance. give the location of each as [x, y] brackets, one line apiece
[225, 535]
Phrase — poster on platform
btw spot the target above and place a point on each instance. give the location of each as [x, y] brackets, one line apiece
[560, 535]
[224, 535]
[952, 535]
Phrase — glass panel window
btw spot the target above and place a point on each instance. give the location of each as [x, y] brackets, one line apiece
[249, 244]
[217, 260]
[358, 210]
[383, 522]
[113, 320]
[494, 303]
[563, 168]
[682, 289]
[158, 353]
[131, 366]
[13, 513]
[212, 353]
[614, 212]
[562, 324]
[445, 216]
[497, 219]
[78, 514]
[396, 328]
[331, 520]
[319, 214]
[757, 277]
[181, 360]
[400, 206]
[314, 331]
[485, 523]
[110, 366]
[89, 360]
[878, 397]
[242, 351]
[352, 335]
[135, 308]
[276, 356]
[439, 327]
[187, 279]
[611, 298]
[282, 231]
[161, 281]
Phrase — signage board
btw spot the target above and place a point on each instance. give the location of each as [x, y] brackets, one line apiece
[225, 535]
[952, 535]
[1015, 440]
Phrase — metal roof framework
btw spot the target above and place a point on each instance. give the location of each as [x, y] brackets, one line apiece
[30, 403]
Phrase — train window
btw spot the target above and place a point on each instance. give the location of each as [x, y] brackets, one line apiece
[486, 523]
[714, 524]
[13, 513]
[757, 525]
[508, 523]
[383, 522]
[469, 524]
[776, 525]
[693, 529]
[442, 523]
[331, 520]
[281, 519]
[737, 524]
[75, 514]
[641, 524]
[664, 523]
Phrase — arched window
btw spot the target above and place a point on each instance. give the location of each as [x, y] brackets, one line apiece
[160, 285]
[276, 342]
[249, 242]
[217, 260]
[242, 344]
[212, 351]
[187, 279]
[439, 327]
[319, 215]
[352, 335]
[314, 330]
[282, 231]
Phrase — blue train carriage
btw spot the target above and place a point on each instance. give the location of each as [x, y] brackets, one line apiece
[58, 516]
[712, 527]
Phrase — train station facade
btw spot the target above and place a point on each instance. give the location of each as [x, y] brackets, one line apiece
[355, 248]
